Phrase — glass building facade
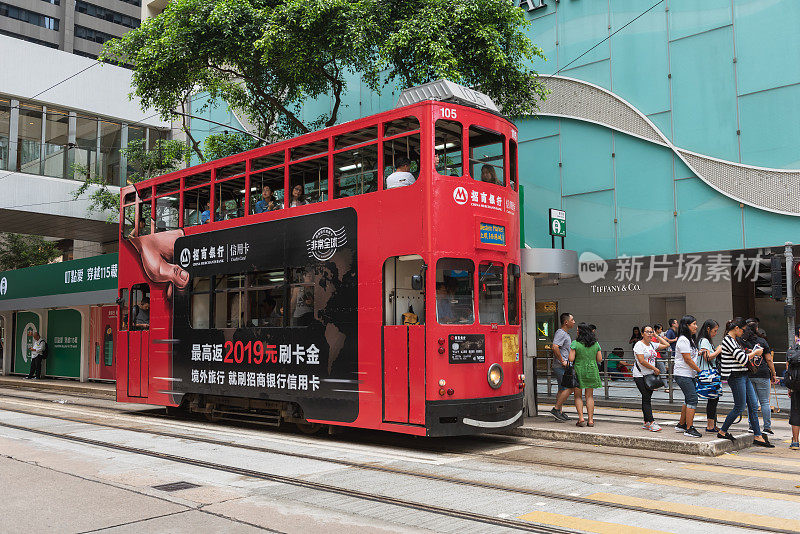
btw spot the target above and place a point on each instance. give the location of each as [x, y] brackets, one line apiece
[59, 143]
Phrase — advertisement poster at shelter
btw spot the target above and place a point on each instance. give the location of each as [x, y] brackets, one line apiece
[101, 344]
[64, 341]
[27, 325]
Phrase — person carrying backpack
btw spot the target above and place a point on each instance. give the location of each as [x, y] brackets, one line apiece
[792, 382]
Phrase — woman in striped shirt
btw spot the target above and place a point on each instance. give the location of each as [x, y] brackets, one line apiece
[733, 361]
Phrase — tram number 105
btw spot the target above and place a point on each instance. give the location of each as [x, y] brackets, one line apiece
[449, 113]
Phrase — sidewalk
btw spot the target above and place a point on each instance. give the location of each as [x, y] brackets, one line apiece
[72, 387]
[623, 428]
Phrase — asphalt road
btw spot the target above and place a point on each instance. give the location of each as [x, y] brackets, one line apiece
[81, 464]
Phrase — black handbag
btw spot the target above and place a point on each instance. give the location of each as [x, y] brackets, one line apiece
[570, 379]
[652, 381]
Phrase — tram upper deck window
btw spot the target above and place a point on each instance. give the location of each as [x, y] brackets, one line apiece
[490, 293]
[487, 155]
[230, 170]
[229, 199]
[145, 216]
[512, 164]
[265, 162]
[166, 215]
[449, 148]
[196, 206]
[128, 220]
[266, 190]
[405, 125]
[356, 137]
[355, 171]
[513, 294]
[454, 291]
[401, 160]
[309, 181]
[309, 149]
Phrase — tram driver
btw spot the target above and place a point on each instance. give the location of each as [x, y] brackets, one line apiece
[450, 309]
[141, 319]
[401, 176]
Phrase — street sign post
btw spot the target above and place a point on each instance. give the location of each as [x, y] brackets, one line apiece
[558, 225]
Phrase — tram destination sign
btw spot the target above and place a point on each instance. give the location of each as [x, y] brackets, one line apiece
[558, 223]
[467, 348]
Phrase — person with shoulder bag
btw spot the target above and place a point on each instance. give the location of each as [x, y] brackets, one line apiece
[733, 362]
[646, 373]
[709, 381]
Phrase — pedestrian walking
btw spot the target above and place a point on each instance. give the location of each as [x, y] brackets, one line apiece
[733, 364]
[586, 356]
[762, 374]
[645, 353]
[685, 370]
[636, 336]
[672, 335]
[710, 359]
[37, 353]
[561, 347]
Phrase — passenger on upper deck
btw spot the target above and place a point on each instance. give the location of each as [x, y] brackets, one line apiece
[489, 175]
[401, 176]
[267, 202]
[298, 197]
[205, 216]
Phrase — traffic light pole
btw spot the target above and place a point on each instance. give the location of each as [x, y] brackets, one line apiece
[789, 310]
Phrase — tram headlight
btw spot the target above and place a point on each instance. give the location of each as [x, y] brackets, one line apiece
[495, 376]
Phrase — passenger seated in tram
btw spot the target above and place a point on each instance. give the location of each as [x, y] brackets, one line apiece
[401, 176]
[450, 307]
[205, 216]
[267, 202]
[489, 175]
[298, 197]
[141, 318]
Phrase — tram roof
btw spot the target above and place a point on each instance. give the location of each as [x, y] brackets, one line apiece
[446, 91]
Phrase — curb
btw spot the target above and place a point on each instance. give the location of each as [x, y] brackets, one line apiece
[58, 388]
[715, 447]
[636, 404]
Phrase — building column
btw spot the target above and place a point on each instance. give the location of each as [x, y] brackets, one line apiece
[42, 148]
[529, 343]
[72, 134]
[13, 136]
[123, 156]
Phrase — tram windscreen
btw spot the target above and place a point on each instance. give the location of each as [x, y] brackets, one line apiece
[454, 295]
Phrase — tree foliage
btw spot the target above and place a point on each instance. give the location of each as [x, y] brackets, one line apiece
[18, 251]
[226, 144]
[164, 157]
[267, 58]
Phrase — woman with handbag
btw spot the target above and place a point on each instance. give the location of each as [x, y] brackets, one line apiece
[585, 356]
[646, 372]
[733, 360]
[708, 379]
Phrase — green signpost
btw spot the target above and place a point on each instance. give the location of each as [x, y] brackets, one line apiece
[558, 225]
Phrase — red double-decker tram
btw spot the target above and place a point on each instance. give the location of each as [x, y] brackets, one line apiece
[364, 275]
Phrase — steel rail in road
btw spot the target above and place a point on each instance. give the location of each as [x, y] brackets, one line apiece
[372, 467]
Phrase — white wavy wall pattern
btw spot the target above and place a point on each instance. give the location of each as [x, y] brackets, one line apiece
[775, 190]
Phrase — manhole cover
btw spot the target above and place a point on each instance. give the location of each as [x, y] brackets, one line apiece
[176, 486]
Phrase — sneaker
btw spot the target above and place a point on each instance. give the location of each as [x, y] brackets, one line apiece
[794, 446]
[559, 416]
[714, 430]
[692, 433]
[646, 426]
[654, 427]
[726, 435]
[680, 428]
[764, 443]
[768, 431]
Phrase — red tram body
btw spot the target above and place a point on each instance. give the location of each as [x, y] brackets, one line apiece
[385, 308]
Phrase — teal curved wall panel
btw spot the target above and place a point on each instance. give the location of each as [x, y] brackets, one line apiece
[707, 220]
[580, 28]
[690, 17]
[590, 223]
[539, 173]
[586, 154]
[770, 122]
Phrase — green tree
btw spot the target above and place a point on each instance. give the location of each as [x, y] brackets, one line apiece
[226, 144]
[164, 157]
[267, 58]
[18, 251]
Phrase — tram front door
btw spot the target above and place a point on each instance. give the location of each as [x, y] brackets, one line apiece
[404, 340]
[138, 341]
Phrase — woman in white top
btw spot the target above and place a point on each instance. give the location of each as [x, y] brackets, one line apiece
[645, 351]
[684, 371]
[705, 343]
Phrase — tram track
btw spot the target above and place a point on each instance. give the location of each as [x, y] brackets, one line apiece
[391, 470]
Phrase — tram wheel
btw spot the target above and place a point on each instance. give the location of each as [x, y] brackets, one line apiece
[309, 428]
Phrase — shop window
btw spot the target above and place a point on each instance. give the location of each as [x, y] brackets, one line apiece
[167, 210]
[309, 149]
[513, 294]
[56, 137]
[487, 155]
[266, 190]
[231, 170]
[490, 293]
[512, 163]
[265, 162]
[356, 137]
[85, 150]
[123, 309]
[108, 159]
[401, 158]
[454, 291]
[29, 143]
[229, 199]
[403, 290]
[309, 181]
[201, 303]
[448, 147]
[355, 171]
[197, 206]
[140, 307]
[400, 126]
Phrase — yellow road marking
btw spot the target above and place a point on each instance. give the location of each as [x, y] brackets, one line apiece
[743, 472]
[772, 460]
[702, 511]
[585, 525]
[721, 489]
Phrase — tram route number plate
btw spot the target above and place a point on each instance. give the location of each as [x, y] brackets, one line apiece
[467, 348]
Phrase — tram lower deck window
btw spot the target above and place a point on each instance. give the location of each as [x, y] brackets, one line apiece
[454, 294]
[490, 293]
